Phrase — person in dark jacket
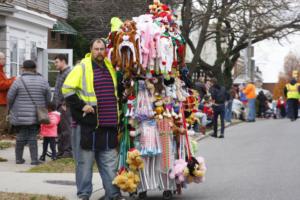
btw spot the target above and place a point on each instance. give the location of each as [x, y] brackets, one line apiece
[262, 100]
[23, 111]
[201, 88]
[292, 92]
[64, 127]
[218, 95]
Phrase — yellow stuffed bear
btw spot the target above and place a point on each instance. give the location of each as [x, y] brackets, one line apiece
[127, 181]
[134, 160]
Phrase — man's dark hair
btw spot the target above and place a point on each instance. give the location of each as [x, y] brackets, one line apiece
[29, 64]
[97, 40]
[62, 57]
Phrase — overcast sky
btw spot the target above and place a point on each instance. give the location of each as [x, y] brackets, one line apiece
[269, 56]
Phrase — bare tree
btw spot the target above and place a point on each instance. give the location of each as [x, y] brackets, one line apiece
[291, 63]
[230, 24]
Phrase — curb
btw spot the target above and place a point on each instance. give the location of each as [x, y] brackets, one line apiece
[207, 134]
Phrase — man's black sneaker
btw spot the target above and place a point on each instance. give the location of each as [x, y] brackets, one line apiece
[214, 135]
[221, 136]
[36, 162]
[20, 161]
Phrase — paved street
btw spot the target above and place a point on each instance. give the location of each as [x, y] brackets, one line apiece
[255, 161]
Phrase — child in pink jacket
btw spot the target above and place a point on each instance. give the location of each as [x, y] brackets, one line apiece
[49, 132]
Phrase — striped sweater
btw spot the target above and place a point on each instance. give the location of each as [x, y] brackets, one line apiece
[106, 99]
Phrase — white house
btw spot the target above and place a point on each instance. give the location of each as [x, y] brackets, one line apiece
[25, 26]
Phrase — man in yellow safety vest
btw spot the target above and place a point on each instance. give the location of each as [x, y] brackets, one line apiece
[90, 90]
[292, 92]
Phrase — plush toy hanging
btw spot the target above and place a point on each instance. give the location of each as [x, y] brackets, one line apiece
[149, 138]
[144, 109]
[127, 181]
[134, 160]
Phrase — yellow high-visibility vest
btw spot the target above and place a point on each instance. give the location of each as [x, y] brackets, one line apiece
[80, 81]
[293, 92]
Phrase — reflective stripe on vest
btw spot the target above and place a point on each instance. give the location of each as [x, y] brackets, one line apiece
[80, 81]
[292, 91]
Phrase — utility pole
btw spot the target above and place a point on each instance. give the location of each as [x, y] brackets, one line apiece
[250, 63]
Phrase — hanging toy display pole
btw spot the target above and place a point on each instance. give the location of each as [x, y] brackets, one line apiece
[125, 142]
[186, 135]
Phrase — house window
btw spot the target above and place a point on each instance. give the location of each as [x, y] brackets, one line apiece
[33, 51]
[62, 37]
[53, 35]
[17, 55]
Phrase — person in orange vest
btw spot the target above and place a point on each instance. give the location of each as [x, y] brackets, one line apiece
[5, 84]
[292, 92]
[250, 92]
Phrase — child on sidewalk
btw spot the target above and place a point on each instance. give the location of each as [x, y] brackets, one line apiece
[49, 132]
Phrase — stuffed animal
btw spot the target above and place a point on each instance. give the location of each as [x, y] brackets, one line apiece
[179, 90]
[126, 50]
[195, 170]
[168, 102]
[159, 108]
[177, 172]
[151, 88]
[127, 181]
[134, 159]
[130, 106]
[165, 54]
[170, 87]
[158, 85]
[128, 89]
[178, 129]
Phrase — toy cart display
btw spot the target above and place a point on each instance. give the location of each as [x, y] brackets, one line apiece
[158, 104]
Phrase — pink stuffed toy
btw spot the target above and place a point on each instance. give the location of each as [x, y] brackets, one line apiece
[177, 172]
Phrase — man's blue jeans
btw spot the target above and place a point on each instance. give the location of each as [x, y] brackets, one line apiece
[107, 162]
[228, 111]
[252, 110]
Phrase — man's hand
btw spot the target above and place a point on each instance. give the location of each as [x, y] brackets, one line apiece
[88, 109]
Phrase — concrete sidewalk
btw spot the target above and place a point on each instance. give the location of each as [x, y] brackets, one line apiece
[15, 179]
[56, 184]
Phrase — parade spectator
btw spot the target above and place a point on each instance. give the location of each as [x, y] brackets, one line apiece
[292, 92]
[5, 84]
[238, 109]
[49, 132]
[262, 101]
[208, 111]
[91, 91]
[64, 127]
[25, 95]
[242, 95]
[200, 87]
[250, 92]
[228, 105]
[281, 107]
[218, 94]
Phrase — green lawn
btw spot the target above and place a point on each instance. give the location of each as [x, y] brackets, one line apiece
[64, 165]
[5, 144]
[3, 159]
